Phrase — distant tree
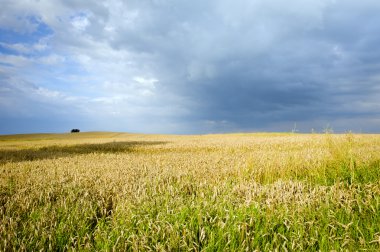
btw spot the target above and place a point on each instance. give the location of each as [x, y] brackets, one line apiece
[75, 131]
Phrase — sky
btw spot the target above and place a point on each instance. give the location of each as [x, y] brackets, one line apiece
[189, 67]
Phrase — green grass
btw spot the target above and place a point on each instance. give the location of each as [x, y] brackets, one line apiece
[238, 192]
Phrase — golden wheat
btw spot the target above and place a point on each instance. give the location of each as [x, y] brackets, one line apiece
[104, 191]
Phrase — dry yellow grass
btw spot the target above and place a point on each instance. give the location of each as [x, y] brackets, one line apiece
[104, 191]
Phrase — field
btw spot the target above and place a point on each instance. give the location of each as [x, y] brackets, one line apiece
[231, 192]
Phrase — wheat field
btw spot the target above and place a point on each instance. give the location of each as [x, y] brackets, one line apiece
[228, 192]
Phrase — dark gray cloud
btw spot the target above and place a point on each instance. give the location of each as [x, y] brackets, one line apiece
[198, 67]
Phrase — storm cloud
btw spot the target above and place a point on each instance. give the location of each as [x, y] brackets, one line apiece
[190, 66]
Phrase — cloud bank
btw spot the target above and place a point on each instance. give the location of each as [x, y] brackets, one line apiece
[165, 66]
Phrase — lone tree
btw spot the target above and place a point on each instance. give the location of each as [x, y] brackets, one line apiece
[75, 131]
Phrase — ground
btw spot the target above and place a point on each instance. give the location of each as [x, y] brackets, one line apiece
[236, 192]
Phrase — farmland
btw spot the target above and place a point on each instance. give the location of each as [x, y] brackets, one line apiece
[228, 192]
